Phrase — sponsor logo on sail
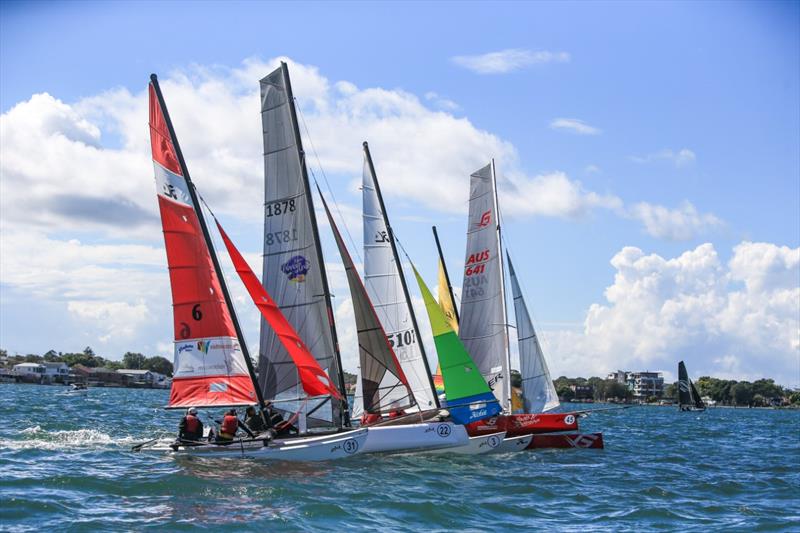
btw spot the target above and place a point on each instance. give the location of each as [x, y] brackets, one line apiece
[203, 346]
[296, 268]
[486, 218]
[218, 387]
[188, 347]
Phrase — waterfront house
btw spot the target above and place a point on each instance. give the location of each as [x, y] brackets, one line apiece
[643, 385]
[56, 372]
[29, 372]
[99, 377]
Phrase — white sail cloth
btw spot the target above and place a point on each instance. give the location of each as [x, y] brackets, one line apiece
[385, 289]
[482, 328]
[538, 392]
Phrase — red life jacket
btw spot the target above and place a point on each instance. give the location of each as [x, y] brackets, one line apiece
[230, 424]
[369, 418]
[397, 413]
[192, 424]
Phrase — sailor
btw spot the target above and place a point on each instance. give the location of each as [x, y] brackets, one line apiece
[190, 427]
[281, 426]
[254, 421]
[369, 418]
[230, 426]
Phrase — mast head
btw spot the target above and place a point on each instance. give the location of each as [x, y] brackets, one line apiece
[153, 78]
[365, 145]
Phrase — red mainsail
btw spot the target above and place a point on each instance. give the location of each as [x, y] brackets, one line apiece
[209, 366]
[314, 379]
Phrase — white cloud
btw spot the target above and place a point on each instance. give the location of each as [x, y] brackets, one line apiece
[552, 194]
[680, 158]
[680, 224]
[508, 60]
[441, 102]
[83, 169]
[574, 125]
[695, 308]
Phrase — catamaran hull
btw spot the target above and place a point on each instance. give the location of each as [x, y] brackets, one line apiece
[477, 445]
[567, 440]
[513, 444]
[322, 448]
[517, 425]
[415, 437]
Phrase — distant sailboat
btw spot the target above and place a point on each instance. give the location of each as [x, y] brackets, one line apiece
[688, 396]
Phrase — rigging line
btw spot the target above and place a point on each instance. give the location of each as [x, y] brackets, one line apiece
[327, 183]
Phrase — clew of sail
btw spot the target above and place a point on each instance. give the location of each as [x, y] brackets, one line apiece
[483, 311]
[383, 385]
[469, 398]
[313, 378]
[382, 278]
[293, 266]
[210, 367]
[538, 392]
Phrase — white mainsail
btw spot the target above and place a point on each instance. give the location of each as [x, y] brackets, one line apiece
[293, 267]
[483, 325]
[538, 392]
[385, 289]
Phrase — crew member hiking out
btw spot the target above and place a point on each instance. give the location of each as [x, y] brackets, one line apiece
[254, 420]
[190, 427]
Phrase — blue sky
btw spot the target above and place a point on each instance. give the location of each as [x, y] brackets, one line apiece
[660, 105]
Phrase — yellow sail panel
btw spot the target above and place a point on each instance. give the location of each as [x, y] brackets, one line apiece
[446, 299]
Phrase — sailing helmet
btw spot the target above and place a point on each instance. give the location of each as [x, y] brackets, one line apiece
[191, 411]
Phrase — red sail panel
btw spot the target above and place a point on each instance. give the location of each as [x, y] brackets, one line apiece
[314, 379]
[210, 369]
[160, 140]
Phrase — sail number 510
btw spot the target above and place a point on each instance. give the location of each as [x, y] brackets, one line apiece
[401, 338]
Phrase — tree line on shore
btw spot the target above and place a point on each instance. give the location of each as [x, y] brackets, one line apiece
[87, 358]
[760, 393]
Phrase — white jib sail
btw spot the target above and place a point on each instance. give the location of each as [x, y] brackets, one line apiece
[538, 392]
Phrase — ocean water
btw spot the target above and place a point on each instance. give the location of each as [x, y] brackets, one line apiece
[65, 464]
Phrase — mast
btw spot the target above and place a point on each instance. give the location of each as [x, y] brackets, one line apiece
[345, 416]
[502, 288]
[400, 271]
[446, 275]
[209, 243]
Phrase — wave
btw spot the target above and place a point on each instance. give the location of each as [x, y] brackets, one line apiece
[37, 438]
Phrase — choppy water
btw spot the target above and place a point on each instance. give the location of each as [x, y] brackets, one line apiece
[65, 463]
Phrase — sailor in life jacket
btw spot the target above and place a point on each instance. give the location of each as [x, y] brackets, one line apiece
[190, 427]
[230, 425]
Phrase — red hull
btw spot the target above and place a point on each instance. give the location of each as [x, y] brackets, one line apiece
[567, 440]
[524, 424]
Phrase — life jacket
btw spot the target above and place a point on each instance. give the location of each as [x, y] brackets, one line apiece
[230, 424]
[370, 418]
[192, 425]
[397, 413]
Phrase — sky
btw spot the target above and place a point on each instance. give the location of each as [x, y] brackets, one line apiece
[648, 159]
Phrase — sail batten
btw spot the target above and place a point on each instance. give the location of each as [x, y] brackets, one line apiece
[538, 392]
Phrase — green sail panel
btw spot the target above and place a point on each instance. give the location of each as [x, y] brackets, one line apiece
[469, 397]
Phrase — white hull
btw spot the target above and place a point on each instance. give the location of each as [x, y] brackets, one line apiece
[413, 437]
[513, 444]
[321, 448]
[477, 445]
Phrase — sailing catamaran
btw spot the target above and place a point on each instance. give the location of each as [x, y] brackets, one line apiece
[688, 396]
[294, 271]
[212, 364]
[483, 325]
[387, 288]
